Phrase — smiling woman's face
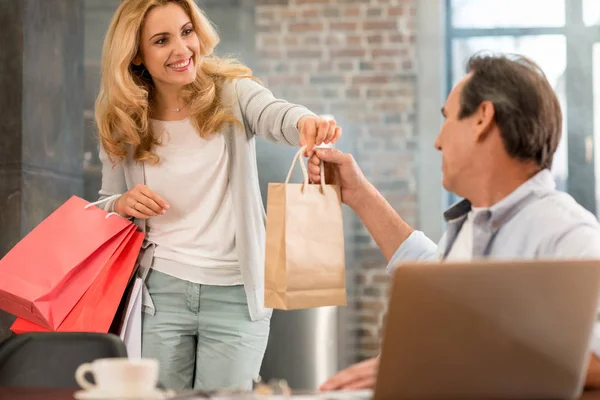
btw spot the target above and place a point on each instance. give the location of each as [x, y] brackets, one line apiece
[169, 46]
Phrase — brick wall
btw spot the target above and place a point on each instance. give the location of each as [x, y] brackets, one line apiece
[354, 59]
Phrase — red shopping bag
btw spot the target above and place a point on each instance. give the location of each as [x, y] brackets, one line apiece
[47, 272]
[96, 309]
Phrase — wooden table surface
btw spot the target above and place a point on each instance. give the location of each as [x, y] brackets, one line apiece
[67, 394]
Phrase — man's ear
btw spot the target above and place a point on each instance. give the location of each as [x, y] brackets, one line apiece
[484, 118]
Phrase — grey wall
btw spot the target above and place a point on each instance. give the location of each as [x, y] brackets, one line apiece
[41, 114]
[430, 99]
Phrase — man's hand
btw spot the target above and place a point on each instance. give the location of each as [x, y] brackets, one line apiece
[314, 131]
[355, 377]
[340, 169]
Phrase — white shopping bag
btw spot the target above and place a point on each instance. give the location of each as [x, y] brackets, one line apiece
[131, 329]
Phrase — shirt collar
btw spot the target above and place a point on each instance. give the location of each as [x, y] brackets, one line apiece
[540, 184]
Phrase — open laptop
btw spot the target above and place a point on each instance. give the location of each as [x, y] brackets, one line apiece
[501, 330]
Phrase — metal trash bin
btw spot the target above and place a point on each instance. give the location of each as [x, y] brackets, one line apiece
[305, 346]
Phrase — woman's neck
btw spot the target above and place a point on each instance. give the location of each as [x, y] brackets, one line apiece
[168, 105]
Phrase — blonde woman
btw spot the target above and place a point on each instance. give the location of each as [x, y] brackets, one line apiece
[177, 127]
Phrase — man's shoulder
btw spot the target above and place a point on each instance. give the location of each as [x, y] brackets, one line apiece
[558, 209]
[563, 228]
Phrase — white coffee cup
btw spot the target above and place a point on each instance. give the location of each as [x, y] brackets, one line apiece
[120, 376]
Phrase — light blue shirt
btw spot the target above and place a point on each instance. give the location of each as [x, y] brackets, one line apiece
[534, 221]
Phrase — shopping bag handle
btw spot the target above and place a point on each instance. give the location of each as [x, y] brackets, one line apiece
[95, 203]
[300, 157]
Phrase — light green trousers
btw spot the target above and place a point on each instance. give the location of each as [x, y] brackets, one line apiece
[202, 335]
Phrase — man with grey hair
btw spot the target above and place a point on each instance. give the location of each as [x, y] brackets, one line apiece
[502, 126]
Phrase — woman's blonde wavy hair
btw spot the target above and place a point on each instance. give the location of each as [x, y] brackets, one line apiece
[123, 108]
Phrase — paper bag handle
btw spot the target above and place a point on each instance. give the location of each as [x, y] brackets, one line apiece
[97, 203]
[299, 156]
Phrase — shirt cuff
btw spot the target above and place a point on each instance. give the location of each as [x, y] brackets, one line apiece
[417, 247]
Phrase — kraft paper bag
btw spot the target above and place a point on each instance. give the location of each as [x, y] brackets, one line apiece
[304, 259]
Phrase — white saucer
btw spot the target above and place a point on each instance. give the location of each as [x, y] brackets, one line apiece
[157, 394]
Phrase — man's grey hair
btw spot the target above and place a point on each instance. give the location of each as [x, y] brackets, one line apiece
[527, 110]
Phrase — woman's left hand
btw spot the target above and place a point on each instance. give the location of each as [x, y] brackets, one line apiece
[315, 131]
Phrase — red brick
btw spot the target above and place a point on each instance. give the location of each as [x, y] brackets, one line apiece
[366, 320]
[348, 53]
[373, 347]
[260, 28]
[269, 53]
[407, 65]
[370, 305]
[353, 93]
[398, 38]
[387, 66]
[288, 14]
[262, 68]
[325, 66]
[353, 106]
[388, 52]
[343, 26]
[265, 14]
[310, 92]
[314, 54]
[374, 12]
[367, 334]
[281, 67]
[291, 40]
[286, 80]
[391, 106]
[370, 79]
[310, 13]
[383, 25]
[395, 11]
[306, 27]
[303, 67]
[371, 39]
[383, 131]
[334, 40]
[383, 278]
[312, 40]
[331, 12]
[270, 40]
[327, 79]
[354, 40]
[352, 12]
[345, 66]
[361, 279]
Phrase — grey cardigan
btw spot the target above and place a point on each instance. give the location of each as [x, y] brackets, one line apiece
[261, 114]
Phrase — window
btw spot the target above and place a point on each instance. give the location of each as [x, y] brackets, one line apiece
[488, 14]
[591, 12]
[563, 41]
